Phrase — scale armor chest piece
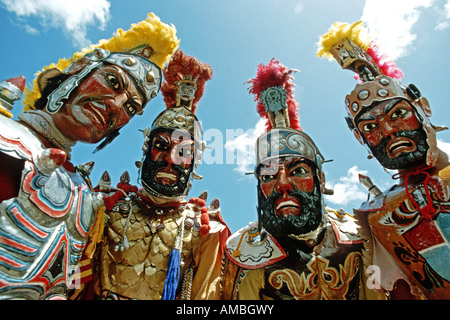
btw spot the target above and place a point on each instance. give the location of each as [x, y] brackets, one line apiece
[139, 271]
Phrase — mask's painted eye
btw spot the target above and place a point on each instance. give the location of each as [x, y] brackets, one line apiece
[399, 113]
[160, 145]
[113, 81]
[300, 171]
[368, 127]
[185, 153]
[267, 177]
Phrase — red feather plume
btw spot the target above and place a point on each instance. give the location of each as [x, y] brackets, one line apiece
[387, 66]
[183, 65]
[275, 74]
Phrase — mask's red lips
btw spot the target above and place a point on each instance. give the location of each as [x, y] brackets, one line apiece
[287, 206]
[166, 176]
[399, 145]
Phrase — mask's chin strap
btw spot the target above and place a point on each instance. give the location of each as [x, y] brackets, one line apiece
[425, 206]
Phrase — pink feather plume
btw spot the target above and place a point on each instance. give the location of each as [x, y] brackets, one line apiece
[275, 74]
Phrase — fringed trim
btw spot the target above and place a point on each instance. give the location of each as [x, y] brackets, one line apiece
[96, 233]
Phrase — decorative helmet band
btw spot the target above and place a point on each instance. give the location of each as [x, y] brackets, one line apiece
[179, 118]
[142, 51]
[146, 75]
[276, 143]
[381, 88]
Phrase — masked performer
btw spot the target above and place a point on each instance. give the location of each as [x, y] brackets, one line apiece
[47, 208]
[157, 245]
[299, 249]
[411, 220]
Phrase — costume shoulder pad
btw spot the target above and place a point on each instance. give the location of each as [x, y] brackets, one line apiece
[17, 140]
[250, 250]
[345, 226]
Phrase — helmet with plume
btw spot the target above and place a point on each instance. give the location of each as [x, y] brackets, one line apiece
[380, 78]
[273, 89]
[142, 51]
[183, 87]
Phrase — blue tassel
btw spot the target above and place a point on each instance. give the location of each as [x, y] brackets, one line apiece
[173, 276]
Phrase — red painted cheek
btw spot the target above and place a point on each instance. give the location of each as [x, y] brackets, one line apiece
[267, 188]
[116, 110]
[372, 139]
[122, 119]
[186, 162]
[176, 158]
[157, 155]
[303, 184]
[407, 123]
[95, 84]
[410, 122]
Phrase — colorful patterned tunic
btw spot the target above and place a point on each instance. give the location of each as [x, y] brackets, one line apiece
[44, 228]
[330, 268]
[413, 244]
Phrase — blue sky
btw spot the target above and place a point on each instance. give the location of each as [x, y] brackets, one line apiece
[234, 37]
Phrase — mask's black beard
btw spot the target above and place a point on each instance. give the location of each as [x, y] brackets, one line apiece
[149, 169]
[404, 160]
[308, 220]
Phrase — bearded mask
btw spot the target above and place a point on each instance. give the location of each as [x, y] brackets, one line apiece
[173, 144]
[290, 200]
[288, 163]
[168, 166]
[368, 98]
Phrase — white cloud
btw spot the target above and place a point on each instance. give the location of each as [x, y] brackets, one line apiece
[447, 9]
[445, 16]
[298, 8]
[348, 188]
[444, 146]
[390, 23]
[73, 17]
[244, 145]
[443, 25]
[31, 30]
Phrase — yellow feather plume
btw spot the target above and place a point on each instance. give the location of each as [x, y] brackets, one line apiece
[160, 36]
[340, 31]
[151, 32]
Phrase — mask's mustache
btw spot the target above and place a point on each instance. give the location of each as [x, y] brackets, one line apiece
[78, 113]
[303, 196]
